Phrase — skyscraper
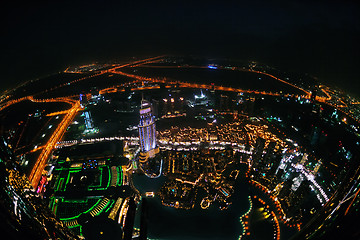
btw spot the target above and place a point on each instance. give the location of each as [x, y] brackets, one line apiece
[147, 131]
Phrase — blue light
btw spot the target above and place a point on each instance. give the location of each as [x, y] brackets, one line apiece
[212, 67]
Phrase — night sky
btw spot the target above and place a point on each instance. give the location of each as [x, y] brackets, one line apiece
[317, 37]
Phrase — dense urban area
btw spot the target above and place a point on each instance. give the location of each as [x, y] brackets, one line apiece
[178, 148]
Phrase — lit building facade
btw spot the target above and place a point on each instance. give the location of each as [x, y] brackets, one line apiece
[147, 130]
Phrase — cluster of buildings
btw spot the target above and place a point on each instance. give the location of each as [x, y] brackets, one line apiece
[203, 170]
[24, 212]
[275, 162]
[187, 172]
[200, 160]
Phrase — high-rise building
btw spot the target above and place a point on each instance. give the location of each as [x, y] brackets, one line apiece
[147, 131]
[258, 150]
[83, 100]
[88, 120]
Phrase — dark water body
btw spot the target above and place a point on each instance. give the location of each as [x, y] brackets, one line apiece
[170, 223]
[145, 184]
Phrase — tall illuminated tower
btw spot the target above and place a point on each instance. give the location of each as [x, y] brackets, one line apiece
[147, 131]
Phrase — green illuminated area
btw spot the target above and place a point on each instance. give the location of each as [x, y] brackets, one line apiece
[81, 187]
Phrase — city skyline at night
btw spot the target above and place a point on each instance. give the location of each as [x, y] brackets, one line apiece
[273, 152]
[180, 120]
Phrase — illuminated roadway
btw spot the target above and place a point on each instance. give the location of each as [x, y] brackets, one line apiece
[32, 99]
[189, 85]
[307, 94]
[233, 68]
[41, 162]
[101, 72]
[46, 150]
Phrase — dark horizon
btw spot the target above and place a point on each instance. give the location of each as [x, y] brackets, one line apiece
[320, 38]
